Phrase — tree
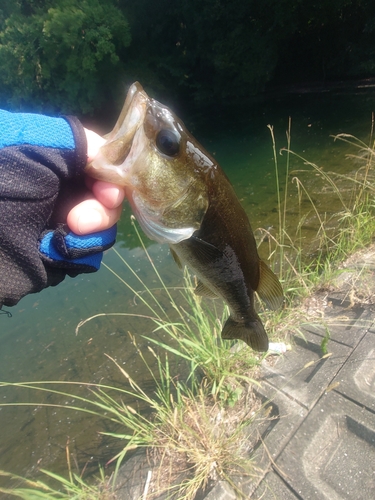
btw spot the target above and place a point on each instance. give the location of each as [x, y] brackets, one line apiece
[334, 39]
[61, 55]
[208, 51]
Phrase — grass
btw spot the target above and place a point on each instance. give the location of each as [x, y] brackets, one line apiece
[302, 267]
[182, 428]
[74, 488]
[178, 421]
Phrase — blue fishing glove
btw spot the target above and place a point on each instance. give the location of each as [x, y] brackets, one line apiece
[42, 162]
[75, 254]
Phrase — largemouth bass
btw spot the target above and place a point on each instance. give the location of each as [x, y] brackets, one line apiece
[181, 196]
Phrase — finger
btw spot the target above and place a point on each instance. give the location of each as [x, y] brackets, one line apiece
[109, 194]
[90, 216]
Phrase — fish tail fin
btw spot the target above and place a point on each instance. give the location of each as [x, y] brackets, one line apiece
[269, 288]
[252, 332]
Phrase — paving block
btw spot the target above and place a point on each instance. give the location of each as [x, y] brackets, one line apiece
[273, 488]
[345, 324]
[278, 421]
[332, 456]
[221, 491]
[132, 477]
[356, 380]
[285, 416]
[303, 373]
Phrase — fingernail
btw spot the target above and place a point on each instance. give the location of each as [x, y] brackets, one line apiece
[119, 199]
[89, 222]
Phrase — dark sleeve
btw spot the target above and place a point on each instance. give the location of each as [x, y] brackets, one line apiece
[40, 158]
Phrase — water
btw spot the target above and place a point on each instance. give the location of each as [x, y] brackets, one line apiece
[40, 342]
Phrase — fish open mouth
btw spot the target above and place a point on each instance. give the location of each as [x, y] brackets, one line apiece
[131, 115]
[109, 164]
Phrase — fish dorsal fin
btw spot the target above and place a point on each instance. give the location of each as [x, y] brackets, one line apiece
[176, 258]
[203, 291]
[269, 288]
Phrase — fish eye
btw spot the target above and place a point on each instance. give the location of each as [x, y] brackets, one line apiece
[168, 142]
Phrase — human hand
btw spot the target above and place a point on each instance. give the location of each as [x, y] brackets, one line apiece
[100, 211]
[103, 206]
[40, 191]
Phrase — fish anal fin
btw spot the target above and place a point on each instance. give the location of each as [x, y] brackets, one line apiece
[203, 291]
[252, 332]
[269, 287]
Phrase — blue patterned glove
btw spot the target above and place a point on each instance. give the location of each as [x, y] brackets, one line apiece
[42, 162]
[75, 254]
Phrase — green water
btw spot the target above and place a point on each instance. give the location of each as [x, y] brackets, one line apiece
[39, 341]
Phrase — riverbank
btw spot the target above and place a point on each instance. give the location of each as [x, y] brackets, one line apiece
[314, 428]
[334, 86]
[322, 444]
[306, 422]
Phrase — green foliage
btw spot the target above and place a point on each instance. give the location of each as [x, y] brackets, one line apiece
[60, 54]
[221, 53]
[76, 56]
[324, 342]
[333, 39]
[209, 50]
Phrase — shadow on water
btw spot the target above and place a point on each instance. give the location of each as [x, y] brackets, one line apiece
[39, 341]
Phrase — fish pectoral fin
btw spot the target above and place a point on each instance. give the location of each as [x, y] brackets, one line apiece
[176, 258]
[269, 287]
[206, 252]
[252, 332]
[203, 291]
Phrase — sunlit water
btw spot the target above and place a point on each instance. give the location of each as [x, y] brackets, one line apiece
[39, 341]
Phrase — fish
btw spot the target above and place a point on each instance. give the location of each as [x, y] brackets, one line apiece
[180, 196]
